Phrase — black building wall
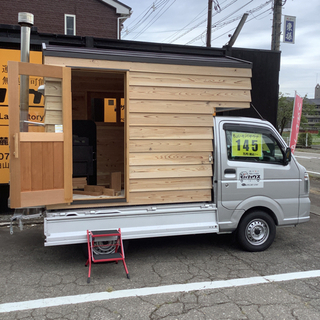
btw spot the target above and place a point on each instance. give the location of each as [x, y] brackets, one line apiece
[265, 82]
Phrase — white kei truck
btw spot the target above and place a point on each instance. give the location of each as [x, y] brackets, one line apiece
[257, 185]
[131, 140]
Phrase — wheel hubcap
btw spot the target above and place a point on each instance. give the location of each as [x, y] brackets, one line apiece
[257, 232]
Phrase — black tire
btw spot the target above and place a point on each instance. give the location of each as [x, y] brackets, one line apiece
[256, 231]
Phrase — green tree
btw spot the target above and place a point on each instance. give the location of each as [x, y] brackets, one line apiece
[285, 108]
[305, 139]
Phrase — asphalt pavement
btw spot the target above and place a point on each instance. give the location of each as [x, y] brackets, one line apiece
[315, 194]
[187, 277]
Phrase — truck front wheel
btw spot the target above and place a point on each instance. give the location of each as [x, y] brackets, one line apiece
[256, 231]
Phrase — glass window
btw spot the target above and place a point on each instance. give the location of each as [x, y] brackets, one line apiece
[70, 24]
[253, 146]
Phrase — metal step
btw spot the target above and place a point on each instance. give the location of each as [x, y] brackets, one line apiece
[104, 232]
[106, 257]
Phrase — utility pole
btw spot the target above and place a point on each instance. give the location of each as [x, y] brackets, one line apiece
[209, 23]
[237, 31]
[276, 25]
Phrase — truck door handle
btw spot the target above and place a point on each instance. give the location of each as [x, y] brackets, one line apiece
[230, 171]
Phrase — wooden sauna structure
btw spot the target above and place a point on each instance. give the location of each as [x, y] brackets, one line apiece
[136, 122]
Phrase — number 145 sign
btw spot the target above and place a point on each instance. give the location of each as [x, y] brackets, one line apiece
[246, 144]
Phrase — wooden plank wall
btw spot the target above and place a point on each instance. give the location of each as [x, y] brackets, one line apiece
[42, 165]
[170, 119]
[110, 152]
[170, 123]
[52, 103]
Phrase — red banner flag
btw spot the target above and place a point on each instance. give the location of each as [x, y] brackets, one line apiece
[296, 117]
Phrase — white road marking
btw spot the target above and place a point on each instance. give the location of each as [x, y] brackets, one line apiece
[102, 296]
[313, 172]
[304, 157]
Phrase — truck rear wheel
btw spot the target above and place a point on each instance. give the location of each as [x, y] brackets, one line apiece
[256, 231]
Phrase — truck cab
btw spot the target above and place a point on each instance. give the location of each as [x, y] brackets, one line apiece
[256, 176]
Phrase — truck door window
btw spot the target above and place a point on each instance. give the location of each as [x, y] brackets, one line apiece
[253, 146]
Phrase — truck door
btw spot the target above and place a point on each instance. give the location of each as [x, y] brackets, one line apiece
[253, 169]
[40, 162]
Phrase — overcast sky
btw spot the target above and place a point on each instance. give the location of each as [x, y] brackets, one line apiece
[185, 22]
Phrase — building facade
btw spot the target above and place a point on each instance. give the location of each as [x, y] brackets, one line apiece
[95, 18]
[314, 119]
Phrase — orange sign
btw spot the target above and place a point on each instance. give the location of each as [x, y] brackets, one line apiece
[36, 115]
[4, 116]
[36, 109]
[4, 154]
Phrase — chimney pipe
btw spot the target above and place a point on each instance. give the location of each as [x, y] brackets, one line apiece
[25, 20]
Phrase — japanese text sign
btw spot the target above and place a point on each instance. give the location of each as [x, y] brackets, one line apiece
[246, 144]
[289, 29]
[36, 109]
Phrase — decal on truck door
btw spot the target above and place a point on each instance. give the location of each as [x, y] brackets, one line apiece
[249, 178]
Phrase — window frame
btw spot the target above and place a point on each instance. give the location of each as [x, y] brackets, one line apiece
[253, 129]
[66, 16]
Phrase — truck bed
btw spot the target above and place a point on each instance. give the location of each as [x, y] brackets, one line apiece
[70, 227]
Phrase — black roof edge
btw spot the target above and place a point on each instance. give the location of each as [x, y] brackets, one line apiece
[143, 56]
[158, 47]
[229, 50]
[10, 34]
[10, 38]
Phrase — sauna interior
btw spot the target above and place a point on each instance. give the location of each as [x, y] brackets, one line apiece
[98, 135]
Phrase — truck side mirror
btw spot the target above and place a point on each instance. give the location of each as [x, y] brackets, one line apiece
[287, 157]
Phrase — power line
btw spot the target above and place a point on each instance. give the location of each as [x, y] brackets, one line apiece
[216, 6]
[145, 15]
[229, 31]
[182, 29]
[158, 15]
[154, 12]
[219, 21]
[219, 24]
[197, 17]
[203, 21]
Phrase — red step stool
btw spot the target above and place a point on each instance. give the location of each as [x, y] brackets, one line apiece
[113, 246]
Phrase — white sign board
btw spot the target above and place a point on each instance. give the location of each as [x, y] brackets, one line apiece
[289, 29]
[249, 178]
